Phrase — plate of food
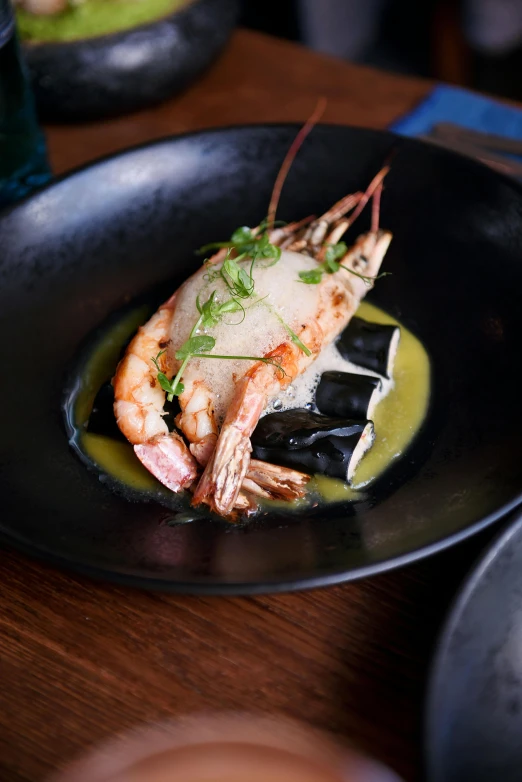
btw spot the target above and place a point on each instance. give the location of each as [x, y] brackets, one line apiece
[98, 58]
[474, 707]
[246, 361]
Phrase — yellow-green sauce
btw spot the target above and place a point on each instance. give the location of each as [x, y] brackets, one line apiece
[93, 18]
[397, 417]
[113, 457]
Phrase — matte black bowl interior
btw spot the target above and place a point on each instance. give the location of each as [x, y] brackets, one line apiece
[474, 708]
[97, 239]
[120, 72]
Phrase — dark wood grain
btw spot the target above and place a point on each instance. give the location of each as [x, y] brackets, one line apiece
[80, 660]
[257, 79]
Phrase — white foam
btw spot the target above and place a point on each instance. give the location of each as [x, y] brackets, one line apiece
[258, 332]
[301, 392]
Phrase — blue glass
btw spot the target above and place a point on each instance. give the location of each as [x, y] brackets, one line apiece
[23, 154]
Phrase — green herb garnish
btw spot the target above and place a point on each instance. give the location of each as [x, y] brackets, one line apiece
[333, 254]
[191, 347]
[255, 246]
[210, 313]
[238, 280]
[293, 336]
[312, 277]
[194, 346]
[172, 389]
[331, 264]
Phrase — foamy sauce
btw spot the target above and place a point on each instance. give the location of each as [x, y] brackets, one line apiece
[301, 392]
[254, 332]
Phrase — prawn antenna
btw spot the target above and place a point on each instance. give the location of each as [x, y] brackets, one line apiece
[376, 207]
[310, 123]
[373, 189]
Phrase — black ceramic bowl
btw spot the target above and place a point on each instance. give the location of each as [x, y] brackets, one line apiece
[94, 241]
[112, 74]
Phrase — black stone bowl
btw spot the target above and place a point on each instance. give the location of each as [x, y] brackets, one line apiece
[99, 239]
[92, 78]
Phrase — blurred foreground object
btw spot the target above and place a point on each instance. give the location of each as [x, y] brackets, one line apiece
[23, 158]
[225, 748]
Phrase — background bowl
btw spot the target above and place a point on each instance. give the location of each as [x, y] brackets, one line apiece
[474, 705]
[92, 78]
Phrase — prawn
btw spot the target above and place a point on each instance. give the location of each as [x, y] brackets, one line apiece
[213, 457]
[138, 407]
[339, 297]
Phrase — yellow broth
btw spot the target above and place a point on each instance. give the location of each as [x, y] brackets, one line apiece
[397, 418]
[399, 415]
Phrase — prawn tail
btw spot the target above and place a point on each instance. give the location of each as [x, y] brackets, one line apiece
[169, 460]
[221, 481]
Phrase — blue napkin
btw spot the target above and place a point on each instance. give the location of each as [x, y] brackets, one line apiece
[452, 104]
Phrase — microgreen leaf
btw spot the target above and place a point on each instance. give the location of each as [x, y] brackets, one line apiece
[212, 246]
[207, 311]
[334, 252]
[171, 387]
[155, 360]
[231, 267]
[295, 339]
[293, 336]
[248, 244]
[176, 390]
[330, 266]
[245, 280]
[241, 235]
[239, 281]
[311, 277]
[367, 280]
[194, 346]
[229, 306]
[164, 382]
[333, 255]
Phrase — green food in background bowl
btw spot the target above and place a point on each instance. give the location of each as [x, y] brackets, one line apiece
[91, 18]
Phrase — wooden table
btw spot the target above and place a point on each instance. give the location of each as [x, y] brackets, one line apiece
[80, 660]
